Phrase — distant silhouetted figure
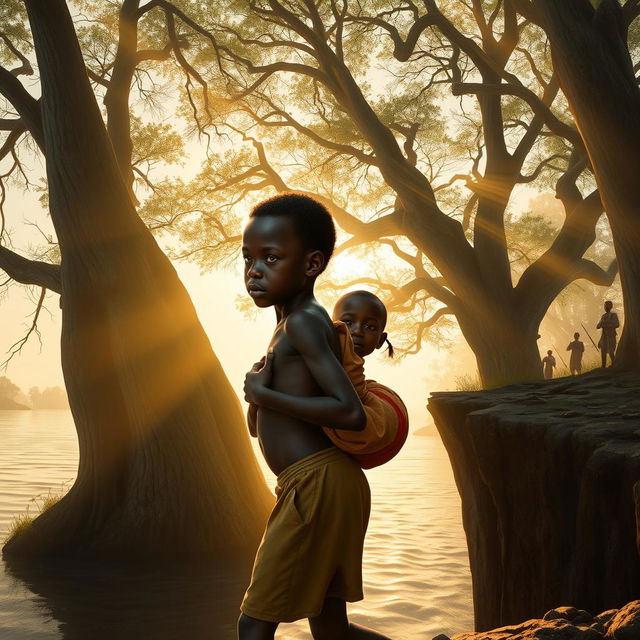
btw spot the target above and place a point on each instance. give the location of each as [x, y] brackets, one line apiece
[548, 362]
[577, 349]
[608, 323]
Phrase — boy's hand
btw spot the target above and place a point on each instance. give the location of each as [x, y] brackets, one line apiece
[258, 378]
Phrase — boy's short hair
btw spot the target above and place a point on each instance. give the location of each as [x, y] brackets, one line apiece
[311, 220]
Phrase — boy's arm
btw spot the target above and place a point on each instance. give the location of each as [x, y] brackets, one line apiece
[615, 322]
[339, 408]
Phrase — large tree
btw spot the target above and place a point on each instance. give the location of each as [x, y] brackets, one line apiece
[165, 464]
[301, 95]
[589, 44]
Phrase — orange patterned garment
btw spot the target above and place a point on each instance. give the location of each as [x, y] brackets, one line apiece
[387, 418]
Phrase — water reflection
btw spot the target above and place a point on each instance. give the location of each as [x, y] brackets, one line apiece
[104, 602]
[416, 571]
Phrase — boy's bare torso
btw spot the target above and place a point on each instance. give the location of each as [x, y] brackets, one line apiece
[284, 439]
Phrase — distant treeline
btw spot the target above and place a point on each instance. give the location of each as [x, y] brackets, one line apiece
[12, 397]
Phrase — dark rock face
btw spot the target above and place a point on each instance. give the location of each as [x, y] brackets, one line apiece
[567, 623]
[546, 472]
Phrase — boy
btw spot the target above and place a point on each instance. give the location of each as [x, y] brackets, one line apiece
[577, 349]
[608, 323]
[309, 563]
[549, 362]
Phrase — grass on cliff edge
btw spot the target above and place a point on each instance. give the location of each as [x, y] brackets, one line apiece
[42, 502]
[472, 382]
[468, 382]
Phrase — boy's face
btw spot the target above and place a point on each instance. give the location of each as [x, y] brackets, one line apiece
[362, 316]
[608, 306]
[275, 261]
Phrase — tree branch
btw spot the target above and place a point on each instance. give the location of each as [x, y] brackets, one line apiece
[423, 327]
[24, 103]
[541, 165]
[11, 124]
[154, 54]
[17, 346]
[25, 68]
[590, 271]
[28, 271]
[402, 49]
[556, 125]
[289, 121]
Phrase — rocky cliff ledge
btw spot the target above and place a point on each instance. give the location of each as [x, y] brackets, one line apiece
[546, 472]
[567, 623]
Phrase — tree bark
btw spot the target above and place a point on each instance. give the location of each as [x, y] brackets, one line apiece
[116, 99]
[504, 342]
[165, 466]
[591, 59]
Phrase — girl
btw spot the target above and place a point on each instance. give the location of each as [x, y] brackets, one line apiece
[360, 318]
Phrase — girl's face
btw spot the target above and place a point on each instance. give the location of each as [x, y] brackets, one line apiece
[365, 321]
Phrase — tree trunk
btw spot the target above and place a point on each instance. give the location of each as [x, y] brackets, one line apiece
[595, 71]
[165, 467]
[504, 343]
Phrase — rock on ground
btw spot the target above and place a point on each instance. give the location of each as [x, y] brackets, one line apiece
[567, 623]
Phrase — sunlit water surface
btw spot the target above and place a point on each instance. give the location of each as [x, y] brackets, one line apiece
[416, 570]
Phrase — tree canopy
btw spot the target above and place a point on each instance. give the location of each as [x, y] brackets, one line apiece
[422, 127]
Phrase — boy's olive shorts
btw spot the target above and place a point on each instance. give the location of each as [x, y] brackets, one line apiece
[312, 546]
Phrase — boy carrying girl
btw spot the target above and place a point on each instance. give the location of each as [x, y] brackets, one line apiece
[309, 563]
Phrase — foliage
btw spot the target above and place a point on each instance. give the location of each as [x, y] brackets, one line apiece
[42, 502]
[49, 398]
[340, 100]
[19, 524]
[8, 390]
[468, 382]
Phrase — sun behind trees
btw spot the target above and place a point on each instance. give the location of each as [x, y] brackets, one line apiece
[343, 104]
[353, 107]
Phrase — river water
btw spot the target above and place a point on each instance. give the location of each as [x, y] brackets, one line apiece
[416, 569]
